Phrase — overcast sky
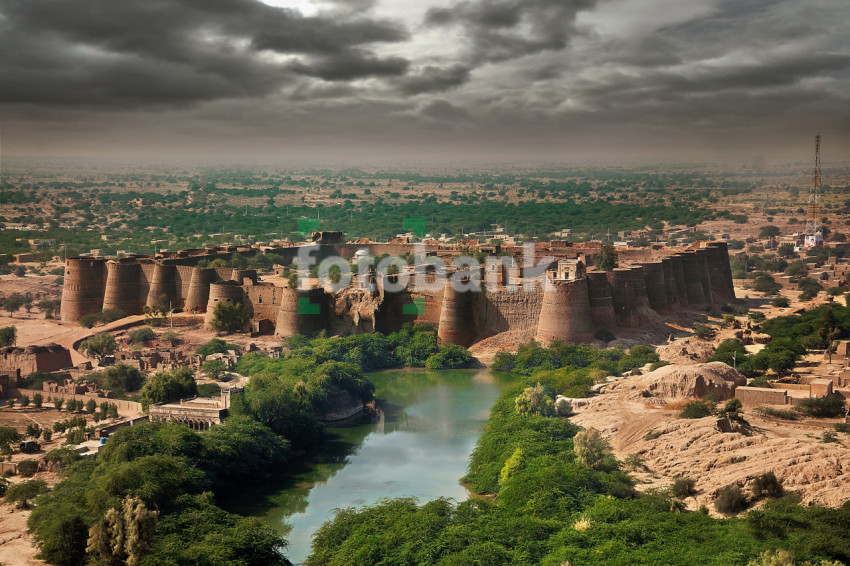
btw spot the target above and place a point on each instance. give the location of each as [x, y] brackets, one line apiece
[437, 81]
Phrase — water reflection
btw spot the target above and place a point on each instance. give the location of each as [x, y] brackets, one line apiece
[426, 426]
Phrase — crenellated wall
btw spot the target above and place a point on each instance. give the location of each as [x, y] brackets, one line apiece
[573, 308]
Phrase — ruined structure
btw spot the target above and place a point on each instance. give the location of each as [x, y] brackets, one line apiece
[575, 303]
[24, 361]
[198, 413]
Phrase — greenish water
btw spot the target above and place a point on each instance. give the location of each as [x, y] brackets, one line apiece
[419, 446]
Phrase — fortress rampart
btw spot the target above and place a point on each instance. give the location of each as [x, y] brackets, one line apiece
[572, 306]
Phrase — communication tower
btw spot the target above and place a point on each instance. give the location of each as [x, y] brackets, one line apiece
[814, 233]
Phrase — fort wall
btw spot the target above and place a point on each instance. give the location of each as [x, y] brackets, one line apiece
[624, 297]
[82, 292]
[565, 312]
[123, 286]
[456, 324]
[601, 300]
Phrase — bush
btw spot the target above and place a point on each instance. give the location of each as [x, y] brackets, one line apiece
[683, 487]
[27, 468]
[450, 356]
[757, 316]
[229, 317]
[535, 401]
[24, 492]
[780, 302]
[731, 501]
[766, 485]
[168, 386]
[591, 448]
[100, 345]
[821, 407]
[142, 335]
[216, 346]
[697, 409]
[703, 331]
[213, 369]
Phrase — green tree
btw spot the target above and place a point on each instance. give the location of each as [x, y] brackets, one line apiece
[8, 336]
[229, 317]
[142, 335]
[769, 231]
[13, 304]
[91, 406]
[606, 258]
[168, 386]
[49, 307]
[22, 493]
[37, 400]
[591, 448]
[535, 401]
[213, 369]
[123, 535]
[100, 345]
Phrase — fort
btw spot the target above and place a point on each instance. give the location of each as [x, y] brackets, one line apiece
[576, 302]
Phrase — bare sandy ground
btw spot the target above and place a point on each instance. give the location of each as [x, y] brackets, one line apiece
[16, 547]
[819, 473]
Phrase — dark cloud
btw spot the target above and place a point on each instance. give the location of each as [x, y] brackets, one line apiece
[525, 77]
[500, 30]
[352, 65]
[435, 79]
[137, 52]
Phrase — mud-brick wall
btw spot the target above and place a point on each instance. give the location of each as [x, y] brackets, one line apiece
[565, 313]
[183, 279]
[501, 310]
[312, 316]
[123, 285]
[761, 396]
[456, 324]
[82, 292]
[146, 276]
[34, 358]
[264, 300]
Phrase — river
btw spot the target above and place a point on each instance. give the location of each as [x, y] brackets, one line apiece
[420, 445]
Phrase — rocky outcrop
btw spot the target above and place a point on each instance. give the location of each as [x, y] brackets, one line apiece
[342, 405]
[692, 381]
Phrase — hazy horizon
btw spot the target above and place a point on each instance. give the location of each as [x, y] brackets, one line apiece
[391, 83]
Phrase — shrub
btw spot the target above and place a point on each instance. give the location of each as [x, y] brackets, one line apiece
[634, 462]
[731, 501]
[591, 448]
[213, 369]
[100, 345]
[47, 435]
[822, 407]
[27, 468]
[216, 346]
[535, 401]
[757, 316]
[780, 302]
[766, 485]
[703, 331]
[683, 487]
[229, 317]
[24, 492]
[697, 409]
[732, 408]
[450, 356]
[563, 407]
[142, 335]
[829, 437]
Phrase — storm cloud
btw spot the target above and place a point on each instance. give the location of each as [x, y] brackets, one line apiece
[535, 79]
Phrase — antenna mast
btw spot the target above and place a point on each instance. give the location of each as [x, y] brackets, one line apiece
[814, 234]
